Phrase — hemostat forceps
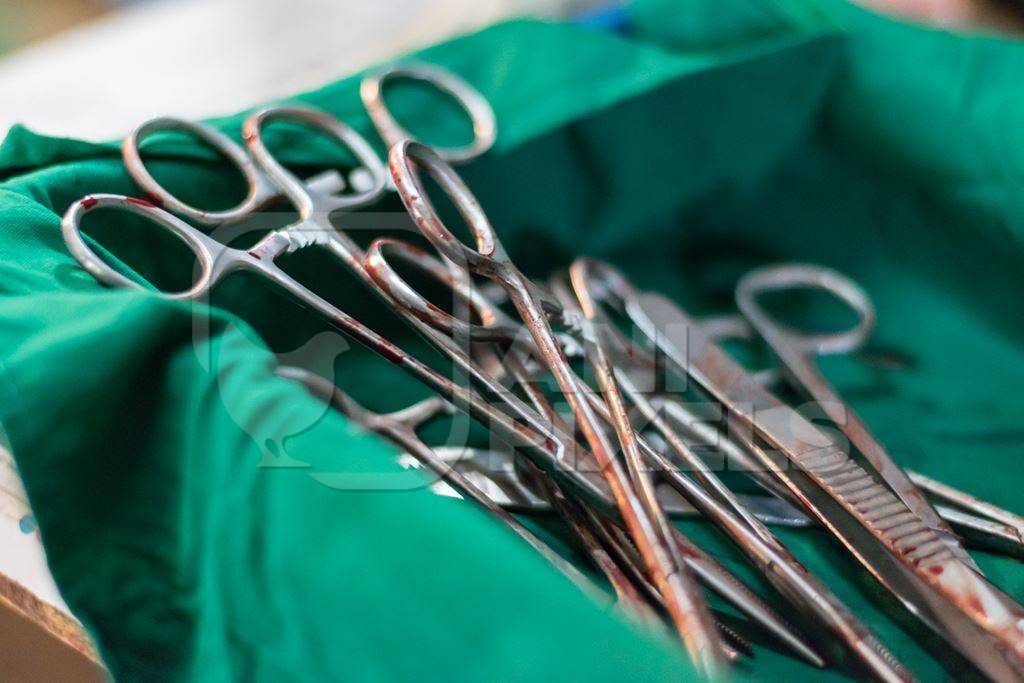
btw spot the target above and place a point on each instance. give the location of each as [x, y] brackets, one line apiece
[643, 518]
[314, 228]
[497, 327]
[261, 189]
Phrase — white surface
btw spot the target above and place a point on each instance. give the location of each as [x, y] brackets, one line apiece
[21, 552]
[199, 58]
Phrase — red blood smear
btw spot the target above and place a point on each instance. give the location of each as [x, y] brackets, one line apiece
[392, 353]
[255, 255]
[974, 603]
[141, 202]
[89, 202]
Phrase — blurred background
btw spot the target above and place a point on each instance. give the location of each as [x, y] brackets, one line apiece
[94, 68]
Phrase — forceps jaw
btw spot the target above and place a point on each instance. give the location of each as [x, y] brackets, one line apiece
[481, 114]
[308, 200]
[213, 258]
[791, 276]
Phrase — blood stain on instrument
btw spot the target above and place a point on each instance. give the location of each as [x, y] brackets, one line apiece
[141, 202]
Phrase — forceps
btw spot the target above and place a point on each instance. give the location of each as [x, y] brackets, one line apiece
[763, 548]
[314, 228]
[979, 523]
[796, 350]
[262, 189]
[497, 327]
[646, 522]
[984, 624]
[400, 427]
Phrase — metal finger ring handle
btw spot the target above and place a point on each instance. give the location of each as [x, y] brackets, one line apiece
[378, 258]
[303, 196]
[406, 159]
[200, 245]
[790, 276]
[258, 189]
[469, 98]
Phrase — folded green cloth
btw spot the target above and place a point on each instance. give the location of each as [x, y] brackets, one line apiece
[188, 499]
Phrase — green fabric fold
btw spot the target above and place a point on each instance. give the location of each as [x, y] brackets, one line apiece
[193, 505]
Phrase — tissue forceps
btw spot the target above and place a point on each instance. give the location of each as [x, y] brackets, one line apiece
[980, 524]
[261, 189]
[400, 428]
[797, 351]
[718, 502]
[875, 526]
[689, 612]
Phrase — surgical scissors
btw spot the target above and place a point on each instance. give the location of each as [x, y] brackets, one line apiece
[645, 520]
